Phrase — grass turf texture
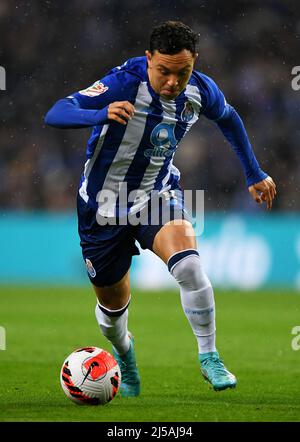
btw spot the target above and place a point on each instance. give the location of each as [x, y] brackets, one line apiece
[253, 334]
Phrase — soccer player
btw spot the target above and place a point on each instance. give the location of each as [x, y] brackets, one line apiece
[139, 112]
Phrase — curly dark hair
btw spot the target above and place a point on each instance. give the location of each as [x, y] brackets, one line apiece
[172, 37]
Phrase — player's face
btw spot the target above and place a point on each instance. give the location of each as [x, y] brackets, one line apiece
[169, 74]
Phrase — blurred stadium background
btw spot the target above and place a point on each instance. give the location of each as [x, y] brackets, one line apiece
[50, 49]
[48, 52]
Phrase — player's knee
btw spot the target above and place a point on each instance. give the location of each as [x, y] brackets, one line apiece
[115, 296]
[186, 268]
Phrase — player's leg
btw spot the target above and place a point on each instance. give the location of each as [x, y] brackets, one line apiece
[176, 246]
[108, 251]
[112, 312]
[112, 317]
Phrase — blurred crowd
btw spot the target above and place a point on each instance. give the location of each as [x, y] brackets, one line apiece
[51, 49]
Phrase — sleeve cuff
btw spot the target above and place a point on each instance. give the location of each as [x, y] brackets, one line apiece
[256, 178]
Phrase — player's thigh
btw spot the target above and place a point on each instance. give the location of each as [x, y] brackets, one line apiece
[114, 296]
[174, 236]
[107, 251]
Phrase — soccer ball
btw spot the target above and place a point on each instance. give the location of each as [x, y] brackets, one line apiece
[90, 375]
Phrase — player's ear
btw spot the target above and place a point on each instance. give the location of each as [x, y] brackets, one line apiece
[149, 57]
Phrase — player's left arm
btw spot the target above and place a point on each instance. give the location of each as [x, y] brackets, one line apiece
[260, 185]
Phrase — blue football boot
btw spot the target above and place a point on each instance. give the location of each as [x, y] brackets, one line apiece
[215, 372]
[130, 378]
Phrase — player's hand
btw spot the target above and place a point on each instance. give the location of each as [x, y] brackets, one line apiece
[120, 111]
[264, 191]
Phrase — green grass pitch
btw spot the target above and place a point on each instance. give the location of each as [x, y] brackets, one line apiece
[44, 325]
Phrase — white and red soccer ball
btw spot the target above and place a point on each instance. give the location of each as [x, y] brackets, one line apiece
[90, 375]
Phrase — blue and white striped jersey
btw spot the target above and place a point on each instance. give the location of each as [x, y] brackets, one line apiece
[138, 157]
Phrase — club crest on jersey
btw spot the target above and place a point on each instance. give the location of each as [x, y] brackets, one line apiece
[90, 269]
[188, 112]
[97, 88]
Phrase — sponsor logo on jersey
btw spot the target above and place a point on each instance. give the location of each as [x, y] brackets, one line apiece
[158, 152]
[90, 269]
[96, 89]
[164, 141]
[188, 112]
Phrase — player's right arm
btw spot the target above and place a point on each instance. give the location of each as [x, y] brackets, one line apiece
[96, 105]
